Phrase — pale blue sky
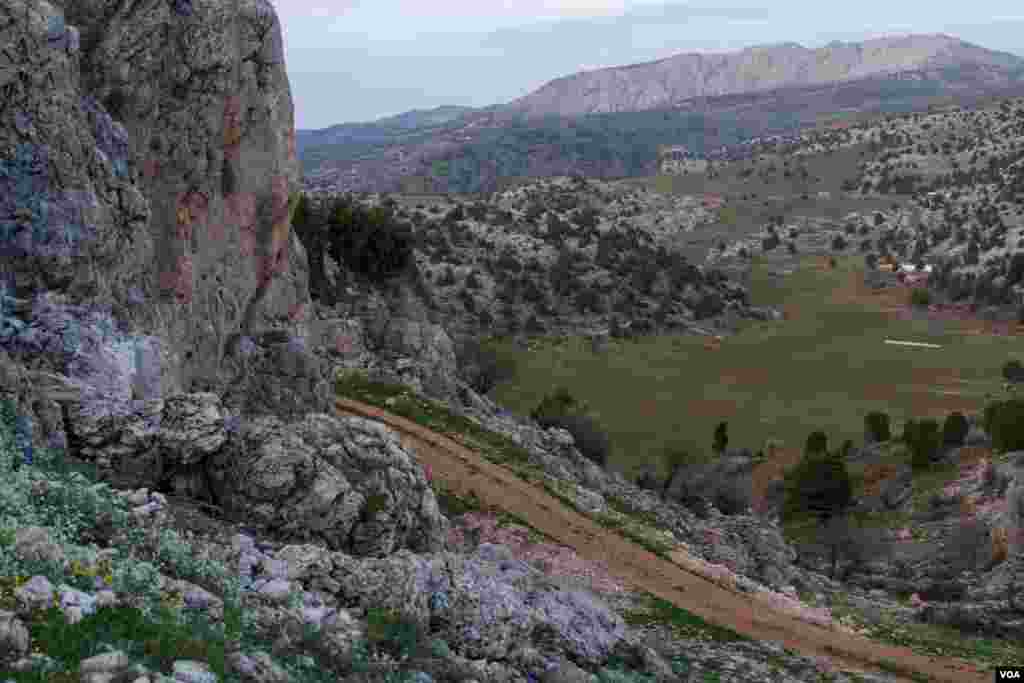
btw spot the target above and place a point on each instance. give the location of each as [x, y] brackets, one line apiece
[359, 60]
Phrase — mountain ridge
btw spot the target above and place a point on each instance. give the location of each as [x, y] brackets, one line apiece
[449, 113]
[672, 80]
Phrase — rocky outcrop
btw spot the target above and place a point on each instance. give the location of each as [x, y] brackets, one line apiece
[148, 160]
[345, 482]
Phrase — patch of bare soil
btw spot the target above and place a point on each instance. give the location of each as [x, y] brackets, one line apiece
[464, 471]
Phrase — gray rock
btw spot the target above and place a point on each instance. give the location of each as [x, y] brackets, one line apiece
[896, 490]
[157, 183]
[346, 482]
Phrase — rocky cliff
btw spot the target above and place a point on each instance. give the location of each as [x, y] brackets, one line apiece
[148, 160]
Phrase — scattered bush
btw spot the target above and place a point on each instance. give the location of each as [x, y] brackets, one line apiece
[954, 429]
[591, 440]
[390, 632]
[721, 438]
[733, 496]
[989, 414]
[560, 409]
[817, 442]
[876, 427]
[1013, 371]
[919, 296]
[923, 439]
[483, 367]
[371, 241]
[553, 406]
[1006, 425]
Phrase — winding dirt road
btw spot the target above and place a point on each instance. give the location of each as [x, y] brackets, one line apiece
[464, 471]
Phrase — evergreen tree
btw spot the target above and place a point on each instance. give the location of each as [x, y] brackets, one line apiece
[721, 438]
[819, 485]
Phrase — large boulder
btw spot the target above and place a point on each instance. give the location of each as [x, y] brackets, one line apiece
[345, 482]
[160, 191]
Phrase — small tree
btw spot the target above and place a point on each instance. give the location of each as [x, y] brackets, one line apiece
[484, 366]
[1013, 371]
[721, 438]
[923, 439]
[954, 429]
[876, 427]
[919, 296]
[817, 443]
[1006, 424]
[819, 485]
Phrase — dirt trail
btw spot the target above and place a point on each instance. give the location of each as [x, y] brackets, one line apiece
[463, 471]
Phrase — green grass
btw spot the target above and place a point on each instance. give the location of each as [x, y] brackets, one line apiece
[823, 370]
[933, 640]
[684, 624]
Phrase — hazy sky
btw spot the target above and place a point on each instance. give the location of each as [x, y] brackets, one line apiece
[359, 60]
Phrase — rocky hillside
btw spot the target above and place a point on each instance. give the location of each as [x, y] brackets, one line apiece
[561, 256]
[669, 82]
[179, 499]
[965, 169]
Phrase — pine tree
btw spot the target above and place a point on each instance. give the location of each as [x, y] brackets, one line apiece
[721, 439]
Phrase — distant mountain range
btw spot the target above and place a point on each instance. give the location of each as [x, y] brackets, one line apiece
[609, 122]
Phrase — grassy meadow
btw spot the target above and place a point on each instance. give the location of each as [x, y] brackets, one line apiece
[824, 367]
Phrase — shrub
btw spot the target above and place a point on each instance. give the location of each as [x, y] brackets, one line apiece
[560, 409]
[371, 241]
[721, 438]
[954, 429]
[817, 442]
[553, 406]
[733, 496]
[1013, 371]
[876, 427]
[919, 296]
[484, 367]
[819, 484]
[989, 414]
[923, 439]
[838, 243]
[391, 632]
[591, 440]
[1007, 426]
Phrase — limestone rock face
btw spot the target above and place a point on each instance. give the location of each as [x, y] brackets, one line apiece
[345, 482]
[148, 160]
